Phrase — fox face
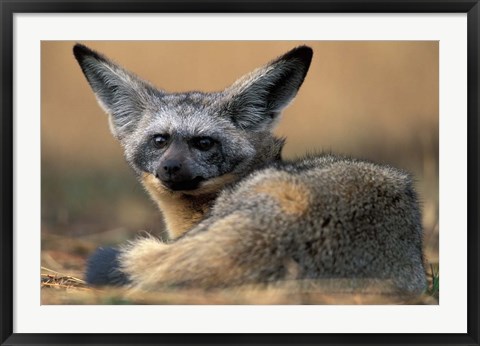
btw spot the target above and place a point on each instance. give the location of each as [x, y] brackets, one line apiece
[186, 143]
[195, 143]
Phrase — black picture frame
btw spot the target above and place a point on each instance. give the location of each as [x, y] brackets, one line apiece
[10, 7]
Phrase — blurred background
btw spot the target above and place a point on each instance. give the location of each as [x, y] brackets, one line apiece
[369, 99]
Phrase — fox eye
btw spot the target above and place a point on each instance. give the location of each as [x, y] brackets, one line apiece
[203, 143]
[159, 141]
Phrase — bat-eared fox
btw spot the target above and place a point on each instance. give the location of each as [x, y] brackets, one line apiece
[236, 212]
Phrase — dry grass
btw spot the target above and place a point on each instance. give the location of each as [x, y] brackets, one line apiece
[63, 285]
[53, 279]
[59, 288]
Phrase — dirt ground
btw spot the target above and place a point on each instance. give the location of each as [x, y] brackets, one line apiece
[66, 287]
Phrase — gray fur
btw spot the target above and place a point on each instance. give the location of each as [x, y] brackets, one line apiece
[327, 217]
[363, 222]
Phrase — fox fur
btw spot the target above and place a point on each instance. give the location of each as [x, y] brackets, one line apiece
[236, 212]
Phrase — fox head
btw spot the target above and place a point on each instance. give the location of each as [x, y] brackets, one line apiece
[195, 143]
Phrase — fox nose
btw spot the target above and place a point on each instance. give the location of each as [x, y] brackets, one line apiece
[176, 175]
[171, 166]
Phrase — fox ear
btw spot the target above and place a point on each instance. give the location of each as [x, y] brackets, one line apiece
[121, 94]
[255, 101]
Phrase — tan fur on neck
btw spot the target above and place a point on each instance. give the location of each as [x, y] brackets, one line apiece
[184, 210]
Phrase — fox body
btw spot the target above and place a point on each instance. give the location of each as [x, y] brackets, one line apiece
[235, 211]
